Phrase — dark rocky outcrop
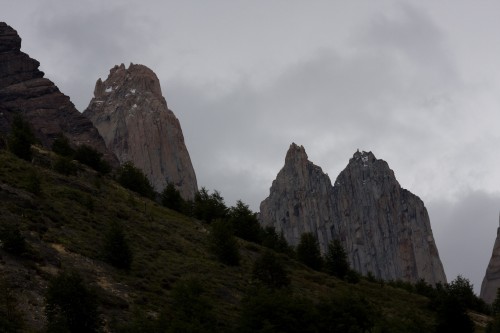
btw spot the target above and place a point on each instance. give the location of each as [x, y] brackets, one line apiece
[132, 116]
[491, 280]
[24, 90]
[384, 228]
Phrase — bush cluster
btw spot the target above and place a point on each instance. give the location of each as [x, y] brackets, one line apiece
[83, 154]
[134, 179]
[21, 138]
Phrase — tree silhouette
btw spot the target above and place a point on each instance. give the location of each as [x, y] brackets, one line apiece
[308, 251]
[336, 262]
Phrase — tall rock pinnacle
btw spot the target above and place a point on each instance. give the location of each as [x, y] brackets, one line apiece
[132, 116]
[300, 200]
[384, 229]
[491, 280]
[24, 90]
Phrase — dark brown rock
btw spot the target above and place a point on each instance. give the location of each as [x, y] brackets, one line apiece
[24, 90]
[384, 229]
[132, 116]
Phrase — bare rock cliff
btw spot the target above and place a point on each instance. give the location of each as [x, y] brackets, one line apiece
[491, 280]
[300, 200]
[23, 89]
[385, 229]
[132, 116]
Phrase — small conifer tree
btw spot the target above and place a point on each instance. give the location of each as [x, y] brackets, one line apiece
[21, 138]
[116, 249]
[71, 306]
[223, 243]
[336, 262]
[308, 251]
[268, 270]
[171, 198]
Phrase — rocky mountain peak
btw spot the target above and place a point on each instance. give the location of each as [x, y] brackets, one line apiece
[295, 153]
[384, 228]
[132, 116]
[299, 199]
[24, 90]
[9, 39]
[122, 81]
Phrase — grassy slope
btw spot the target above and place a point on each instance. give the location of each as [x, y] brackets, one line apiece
[64, 226]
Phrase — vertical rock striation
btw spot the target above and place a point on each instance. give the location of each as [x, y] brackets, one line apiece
[24, 90]
[491, 280]
[385, 229]
[132, 116]
[300, 200]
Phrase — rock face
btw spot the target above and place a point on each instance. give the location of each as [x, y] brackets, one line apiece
[491, 280]
[23, 89]
[132, 116]
[384, 229]
[300, 200]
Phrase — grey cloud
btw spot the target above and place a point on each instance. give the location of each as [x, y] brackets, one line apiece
[465, 231]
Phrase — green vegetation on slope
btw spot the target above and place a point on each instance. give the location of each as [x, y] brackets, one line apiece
[67, 225]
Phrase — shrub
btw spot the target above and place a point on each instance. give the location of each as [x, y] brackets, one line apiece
[265, 310]
[116, 250]
[71, 306]
[62, 147]
[223, 243]
[245, 223]
[92, 158]
[11, 239]
[134, 179]
[64, 165]
[171, 198]
[268, 270]
[34, 184]
[352, 277]
[336, 262]
[272, 240]
[208, 207]
[191, 310]
[308, 251]
[346, 313]
[21, 138]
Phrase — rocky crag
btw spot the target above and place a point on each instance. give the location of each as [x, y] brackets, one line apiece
[384, 228]
[491, 280]
[132, 116]
[24, 90]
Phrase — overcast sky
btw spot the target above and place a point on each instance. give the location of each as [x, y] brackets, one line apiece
[415, 82]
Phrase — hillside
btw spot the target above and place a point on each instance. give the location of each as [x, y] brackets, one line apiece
[64, 226]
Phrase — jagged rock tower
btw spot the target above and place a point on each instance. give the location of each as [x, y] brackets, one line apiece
[132, 116]
[300, 200]
[385, 229]
[491, 280]
[24, 90]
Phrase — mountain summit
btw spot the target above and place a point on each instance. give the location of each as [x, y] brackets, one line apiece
[24, 90]
[132, 116]
[384, 228]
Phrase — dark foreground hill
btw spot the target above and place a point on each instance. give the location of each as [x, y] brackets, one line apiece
[174, 282]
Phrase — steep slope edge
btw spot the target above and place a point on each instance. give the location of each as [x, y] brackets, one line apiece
[131, 114]
[385, 229]
[23, 89]
[491, 280]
